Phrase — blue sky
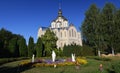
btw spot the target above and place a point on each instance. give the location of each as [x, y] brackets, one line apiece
[24, 17]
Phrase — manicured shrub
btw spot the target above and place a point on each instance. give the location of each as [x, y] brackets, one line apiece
[68, 50]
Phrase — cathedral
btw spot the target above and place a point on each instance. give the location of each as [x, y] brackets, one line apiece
[67, 33]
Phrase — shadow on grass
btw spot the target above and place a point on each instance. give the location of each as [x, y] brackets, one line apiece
[17, 69]
[7, 60]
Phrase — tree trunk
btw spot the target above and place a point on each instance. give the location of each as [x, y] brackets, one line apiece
[113, 53]
[98, 52]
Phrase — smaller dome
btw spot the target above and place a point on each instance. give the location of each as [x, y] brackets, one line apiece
[71, 24]
[60, 12]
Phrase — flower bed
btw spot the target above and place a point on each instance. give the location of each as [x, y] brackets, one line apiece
[58, 62]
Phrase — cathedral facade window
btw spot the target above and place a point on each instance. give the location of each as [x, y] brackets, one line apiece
[72, 33]
[65, 33]
[75, 33]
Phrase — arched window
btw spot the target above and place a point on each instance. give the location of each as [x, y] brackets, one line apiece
[65, 33]
[75, 33]
[72, 33]
[69, 33]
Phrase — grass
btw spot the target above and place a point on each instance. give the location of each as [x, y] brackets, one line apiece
[6, 60]
[91, 67]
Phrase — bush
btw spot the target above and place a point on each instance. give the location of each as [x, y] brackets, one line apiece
[87, 51]
[81, 61]
[76, 49]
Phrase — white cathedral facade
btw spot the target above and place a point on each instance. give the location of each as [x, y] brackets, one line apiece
[67, 33]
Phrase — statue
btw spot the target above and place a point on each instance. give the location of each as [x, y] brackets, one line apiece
[73, 57]
[33, 58]
[53, 56]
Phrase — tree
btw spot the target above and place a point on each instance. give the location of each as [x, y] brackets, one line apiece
[23, 47]
[108, 16]
[13, 47]
[5, 38]
[117, 31]
[101, 29]
[49, 39]
[9, 43]
[39, 48]
[91, 27]
[30, 47]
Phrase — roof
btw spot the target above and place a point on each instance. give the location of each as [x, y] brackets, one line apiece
[44, 28]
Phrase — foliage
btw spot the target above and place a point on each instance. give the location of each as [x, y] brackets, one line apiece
[39, 48]
[117, 31]
[109, 26]
[23, 47]
[49, 63]
[13, 47]
[76, 49]
[49, 40]
[59, 52]
[9, 46]
[87, 51]
[90, 27]
[116, 67]
[81, 61]
[31, 47]
[100, 28]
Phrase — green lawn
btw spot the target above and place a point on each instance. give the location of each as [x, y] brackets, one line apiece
[91, 67]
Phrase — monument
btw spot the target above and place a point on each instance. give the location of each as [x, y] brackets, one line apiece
[33, 58]
[53, 56]
[73, 57]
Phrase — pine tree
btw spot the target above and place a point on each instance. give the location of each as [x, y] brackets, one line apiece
[39, 48]
[31, 47]
[23, 47]
[13, 46]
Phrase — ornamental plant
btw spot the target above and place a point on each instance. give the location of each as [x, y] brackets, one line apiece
[81, 60]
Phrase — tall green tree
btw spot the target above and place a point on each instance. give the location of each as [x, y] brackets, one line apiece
[49, 39]
[13, 47]
[31, 47]
[5, 38]
[101, 29]
[90, 27]
[23, 47]
[39, 48]
[117, 31]
[108, 23]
